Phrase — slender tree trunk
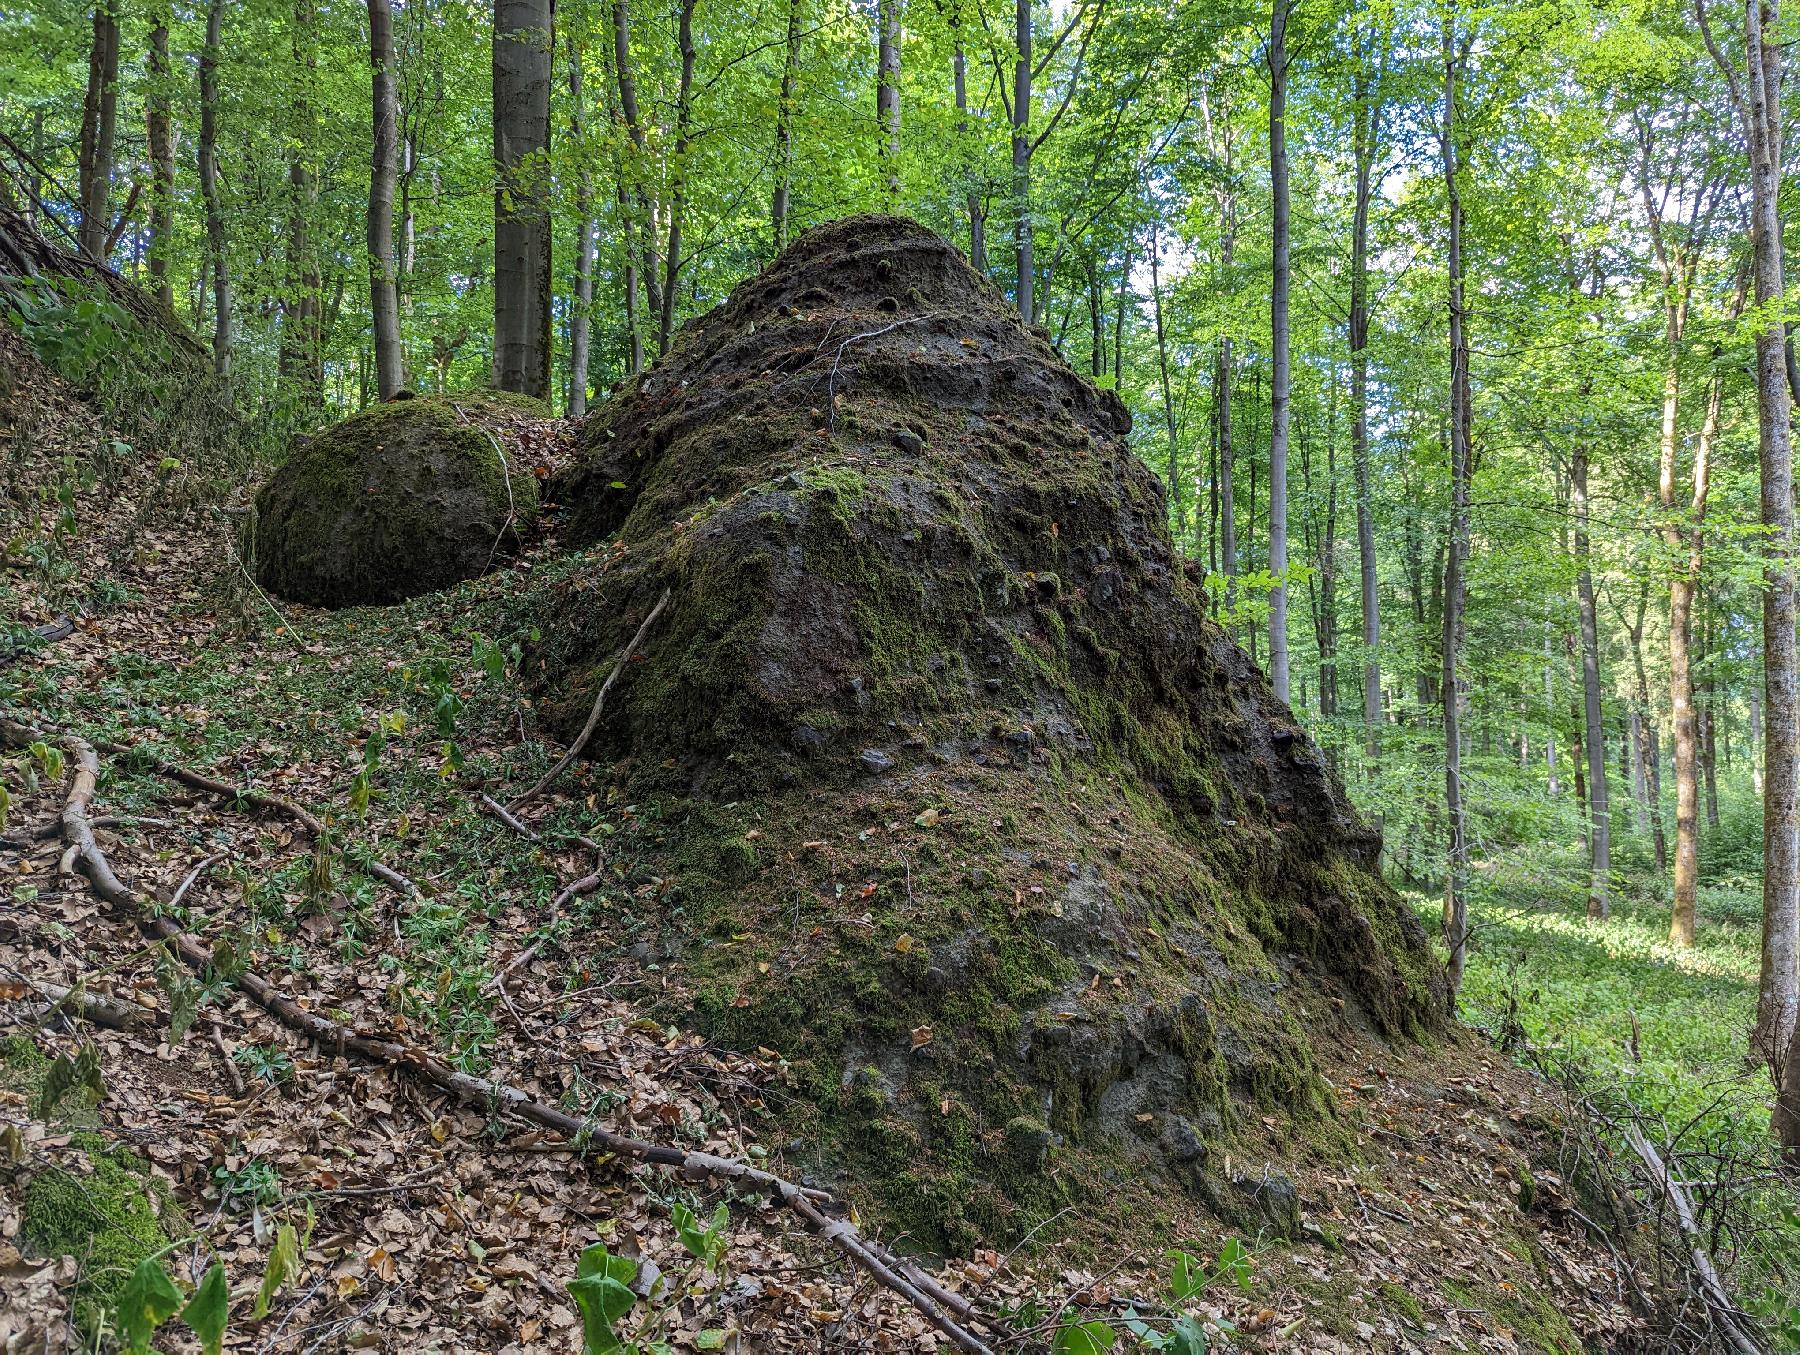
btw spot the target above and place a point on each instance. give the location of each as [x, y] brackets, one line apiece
[887, 93]
[299, 359]
[581, 313]
[1775, 1007]
[99, 122]
[1551, 770]
[1024, 242]
[644, 227]
[1456, 917]
[965, 131]
[1594, 733]
[1634, 768]
[160, 126]
[209, 187]
[523, 39]
[1280, 378]
[1366, 125]
[784, 128]
[1176, 498]
[1682, 586]
[384, 170]
[684, 103]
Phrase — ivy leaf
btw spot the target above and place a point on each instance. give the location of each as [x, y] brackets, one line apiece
[209, 1308]
[284, 1260]
[148, 1299]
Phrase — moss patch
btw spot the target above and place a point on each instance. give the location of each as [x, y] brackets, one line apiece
[109, 1217]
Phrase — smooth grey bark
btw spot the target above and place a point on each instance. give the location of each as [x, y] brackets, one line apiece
[384, 170]
[784, 128]
[160, 125]
[1456, 915]
[684, 111]
[299, 358]
[1176, 498]
[887, 92]
[1025, 265]
[209, 187]
[1594, 734]
[1365, 138]
[1279, 373]
[99, 126]
[581, 312]
[643, 224]
[959, 70]
[523, 40]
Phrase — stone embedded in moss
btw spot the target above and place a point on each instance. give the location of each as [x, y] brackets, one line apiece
[401, 499]
[109, 1219]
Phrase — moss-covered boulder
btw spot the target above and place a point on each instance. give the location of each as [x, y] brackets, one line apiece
[943, 786]
[404, 498]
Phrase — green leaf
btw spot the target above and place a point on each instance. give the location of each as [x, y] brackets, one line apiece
[209, 1309]
[1083, 1338]
[713, 1338]
[1187, 1276]
[5, 806]
[1188, 1337]
[284, 1260]
[148, 1299]
[602, 1294]
[81, 1073]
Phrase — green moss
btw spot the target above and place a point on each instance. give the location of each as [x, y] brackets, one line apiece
[109, 1218]
[1535, 1323]
[1402, 1304]
[22, 1066]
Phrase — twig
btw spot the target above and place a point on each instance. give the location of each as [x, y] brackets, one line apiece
[587, 884]
[934, 1303]
[1712, 1289]
[838, 357]
[593, 720]
[231, 1068]
[188, 881]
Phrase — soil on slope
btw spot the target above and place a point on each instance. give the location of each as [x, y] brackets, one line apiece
[962, 805]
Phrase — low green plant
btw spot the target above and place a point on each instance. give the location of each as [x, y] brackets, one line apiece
[267, 1062]
[604, 1296]
[1167, 1325]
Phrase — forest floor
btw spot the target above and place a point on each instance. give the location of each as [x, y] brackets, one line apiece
[1436, 1218]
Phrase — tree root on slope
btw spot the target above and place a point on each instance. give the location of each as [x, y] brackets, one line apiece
[946, 1311]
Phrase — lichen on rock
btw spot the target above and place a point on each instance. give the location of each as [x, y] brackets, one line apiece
[963, 805]
[404, 498]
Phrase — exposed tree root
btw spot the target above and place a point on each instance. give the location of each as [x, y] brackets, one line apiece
[593, 719]
[944, 1310]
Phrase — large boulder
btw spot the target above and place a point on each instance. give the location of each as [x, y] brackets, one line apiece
[404, 498]
[935, 781]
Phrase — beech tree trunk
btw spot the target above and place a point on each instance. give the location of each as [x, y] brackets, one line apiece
[99, 123]
[1023, 241]
[209, 187]
[522, 63]
[1176, 499]
[1456, 916]
[784, 127]
[1365, 134]
[299, 360]
[1594, 733]
[684, 99]
[581, 313]
[644, 225]
[1279, 374]
[959, 69]
[384, 170]
[887, 92]
[160, 127]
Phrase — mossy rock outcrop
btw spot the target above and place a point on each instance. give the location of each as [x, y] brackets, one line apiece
[944, 787]
[404, 498]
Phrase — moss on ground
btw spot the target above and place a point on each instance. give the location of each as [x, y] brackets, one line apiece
[109, 1216]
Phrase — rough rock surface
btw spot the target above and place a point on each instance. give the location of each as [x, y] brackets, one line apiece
[404, 498]
[948, 792]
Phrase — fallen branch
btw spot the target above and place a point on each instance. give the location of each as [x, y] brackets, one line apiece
[47, 634]
[587, 884]
[262, 799]
[1719, 1306]
[111, 1012]
[593, 720]
[945, 1311]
